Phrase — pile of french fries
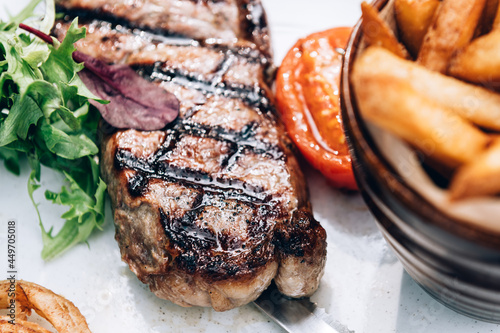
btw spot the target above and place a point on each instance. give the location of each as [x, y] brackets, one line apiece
[434, 83]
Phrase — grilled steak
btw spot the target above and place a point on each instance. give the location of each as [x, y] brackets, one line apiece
[214, 207]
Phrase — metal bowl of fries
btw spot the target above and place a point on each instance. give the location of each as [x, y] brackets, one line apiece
[423, 121]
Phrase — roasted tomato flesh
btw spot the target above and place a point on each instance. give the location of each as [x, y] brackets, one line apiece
[307, 93]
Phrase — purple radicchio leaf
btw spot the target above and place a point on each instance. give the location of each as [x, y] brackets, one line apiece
[134, 102]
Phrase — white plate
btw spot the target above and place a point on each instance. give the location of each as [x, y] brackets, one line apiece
[364, 286]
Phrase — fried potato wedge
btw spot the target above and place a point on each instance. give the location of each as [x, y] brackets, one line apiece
[452, 28]
[496, 21]
[20, 326]
[481, 177]
[377, 32]
[414, 18]
[390, 101]
[476, 104]
[61, 313]
[479, 62]
[488, 17]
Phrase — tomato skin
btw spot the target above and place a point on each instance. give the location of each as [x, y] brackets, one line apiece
[308, 99]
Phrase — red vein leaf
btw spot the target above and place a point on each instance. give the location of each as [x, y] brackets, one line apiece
[134, 102]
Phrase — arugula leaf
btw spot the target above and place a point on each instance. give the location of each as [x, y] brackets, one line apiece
[24, 113]
[11, 160]
[46, 96]
[19, 71]
[85, 214]
[46, 116]
[69, 118]
[65, 145]
[32, 187]
[60, 65]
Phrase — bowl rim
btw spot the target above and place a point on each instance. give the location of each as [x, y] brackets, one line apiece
[357, 131]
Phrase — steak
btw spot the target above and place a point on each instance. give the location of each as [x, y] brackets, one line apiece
[214, 207]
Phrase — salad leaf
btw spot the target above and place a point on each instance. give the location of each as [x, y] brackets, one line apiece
[134, 101]
[69, 146]
[11, 160]
[24, 113]
[60, 65]
[86, 213]
[46, 116]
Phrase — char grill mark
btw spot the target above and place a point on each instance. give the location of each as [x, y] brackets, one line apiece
[232, 188]
[137, 184]
[253, 96]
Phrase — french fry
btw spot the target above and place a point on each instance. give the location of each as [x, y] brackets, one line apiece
[479, 62]
[488, 17]
[452, 28]
[496, 22]
[414, 18]
[478, 105]
[377, 32]
[479, 178]
[389, 100]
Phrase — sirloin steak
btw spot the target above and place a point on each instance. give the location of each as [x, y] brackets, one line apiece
[214, 207]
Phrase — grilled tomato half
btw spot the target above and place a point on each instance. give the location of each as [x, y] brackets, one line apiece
[307, 94]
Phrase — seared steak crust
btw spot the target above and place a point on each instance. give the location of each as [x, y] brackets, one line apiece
[214, 207]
